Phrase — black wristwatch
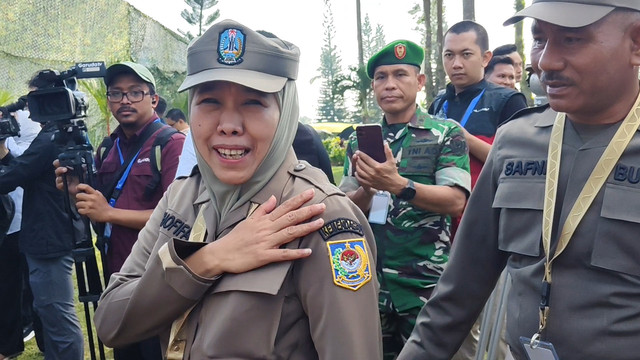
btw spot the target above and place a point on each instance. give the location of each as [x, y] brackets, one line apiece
[408, 193]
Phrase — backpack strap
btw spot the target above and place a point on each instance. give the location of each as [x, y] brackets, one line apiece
[156, 160]
[104, 148]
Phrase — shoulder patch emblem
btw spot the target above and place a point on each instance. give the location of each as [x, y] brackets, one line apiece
[338, 226]
[349, 263]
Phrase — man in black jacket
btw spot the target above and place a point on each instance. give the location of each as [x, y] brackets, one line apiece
[47, 240]
[479, 106]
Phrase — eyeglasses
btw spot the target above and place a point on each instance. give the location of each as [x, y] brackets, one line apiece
[134, 96]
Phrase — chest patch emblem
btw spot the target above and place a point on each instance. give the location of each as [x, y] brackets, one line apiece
[349, 263]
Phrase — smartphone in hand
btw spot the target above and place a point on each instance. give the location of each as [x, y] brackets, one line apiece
[370, 141]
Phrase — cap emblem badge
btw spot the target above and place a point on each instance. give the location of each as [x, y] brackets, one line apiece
[231, 45]
[400, 51]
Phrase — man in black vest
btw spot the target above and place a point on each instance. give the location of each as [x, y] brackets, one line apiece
[476, 104]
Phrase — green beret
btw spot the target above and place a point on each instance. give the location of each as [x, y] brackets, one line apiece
[397, 52]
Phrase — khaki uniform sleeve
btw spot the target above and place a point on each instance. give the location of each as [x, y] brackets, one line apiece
[151, 290]
[344, 323]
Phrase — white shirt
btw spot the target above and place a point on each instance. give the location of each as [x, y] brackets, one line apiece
[29, 129]
[187, 157]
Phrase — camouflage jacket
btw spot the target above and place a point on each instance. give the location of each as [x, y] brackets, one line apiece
[413, 244]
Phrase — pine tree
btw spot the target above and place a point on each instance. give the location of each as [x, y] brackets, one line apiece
[196, 15]
[331, 104]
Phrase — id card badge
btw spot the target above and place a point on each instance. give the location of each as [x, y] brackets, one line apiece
[379, 208]
[538, 350]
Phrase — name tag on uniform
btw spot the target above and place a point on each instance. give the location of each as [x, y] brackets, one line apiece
[539, 350]
[379, 208]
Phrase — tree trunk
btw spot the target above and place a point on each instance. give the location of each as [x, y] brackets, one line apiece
[440, 74]
[363, 92]
[359, 26]
[469, 10]
[519, 41]
[429, 85]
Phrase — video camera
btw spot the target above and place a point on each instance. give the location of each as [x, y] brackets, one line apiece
[58, 100]
[9, 126]
[57, 97]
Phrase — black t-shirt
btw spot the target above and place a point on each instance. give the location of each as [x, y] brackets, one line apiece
[496, 105]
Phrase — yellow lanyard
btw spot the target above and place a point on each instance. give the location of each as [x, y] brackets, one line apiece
[594, 183]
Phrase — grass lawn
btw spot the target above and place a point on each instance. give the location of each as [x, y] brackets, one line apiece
[337, 173]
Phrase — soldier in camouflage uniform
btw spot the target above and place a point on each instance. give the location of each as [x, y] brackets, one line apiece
[425, 180]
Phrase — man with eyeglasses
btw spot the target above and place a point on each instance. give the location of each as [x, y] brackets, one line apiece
[121, 202]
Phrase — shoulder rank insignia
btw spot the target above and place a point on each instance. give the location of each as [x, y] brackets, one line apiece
[338, 226]
[349, 263]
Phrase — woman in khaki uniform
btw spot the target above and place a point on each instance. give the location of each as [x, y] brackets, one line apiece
[256, 255]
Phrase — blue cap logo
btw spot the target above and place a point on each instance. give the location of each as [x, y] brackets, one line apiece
[231, 44]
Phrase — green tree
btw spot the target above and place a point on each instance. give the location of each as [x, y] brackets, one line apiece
[357, 81]
[331, 104]
[372, 42]
[167, 84]
[7, 98]
[196, 16]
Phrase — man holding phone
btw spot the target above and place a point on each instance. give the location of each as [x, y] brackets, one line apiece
[412, 194]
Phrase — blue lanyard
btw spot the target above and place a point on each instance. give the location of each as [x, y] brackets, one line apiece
[123, 179]
[116, 193]
[470, 108]
[119, 151]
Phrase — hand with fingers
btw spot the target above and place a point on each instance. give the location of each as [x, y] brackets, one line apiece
[257, 240]
[92, 204]
[380, 176]
[63, 174]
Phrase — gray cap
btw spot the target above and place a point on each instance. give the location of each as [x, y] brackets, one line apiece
[571, 13]
[131, 68]
[230, 51]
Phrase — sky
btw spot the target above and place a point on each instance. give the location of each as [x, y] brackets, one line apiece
[300, 22]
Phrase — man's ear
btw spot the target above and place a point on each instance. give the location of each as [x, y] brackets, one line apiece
[486, 57]
[154, 100]
[422, 79]
[634, 34]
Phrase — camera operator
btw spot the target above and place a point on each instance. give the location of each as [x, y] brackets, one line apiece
[17, 318]
[121, 200]
[46, 239]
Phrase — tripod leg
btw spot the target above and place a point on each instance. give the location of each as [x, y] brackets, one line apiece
[89, 290]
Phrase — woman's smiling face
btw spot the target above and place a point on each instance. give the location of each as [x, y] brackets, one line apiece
[233, 127]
